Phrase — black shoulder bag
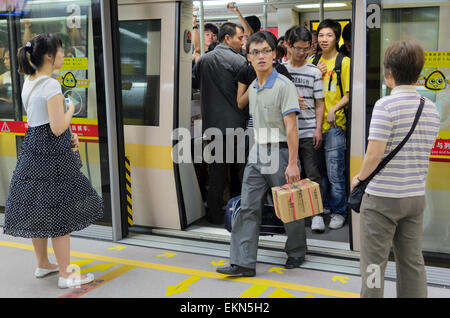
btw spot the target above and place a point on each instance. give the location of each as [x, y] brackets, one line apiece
[355, 198]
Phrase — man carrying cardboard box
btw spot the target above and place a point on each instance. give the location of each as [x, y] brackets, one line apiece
[274, 105]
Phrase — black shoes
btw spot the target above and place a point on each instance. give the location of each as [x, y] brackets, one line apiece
[215, 219]
[294, 262]
[235, 270]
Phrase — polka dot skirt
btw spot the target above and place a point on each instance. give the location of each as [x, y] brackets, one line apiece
[49, 196]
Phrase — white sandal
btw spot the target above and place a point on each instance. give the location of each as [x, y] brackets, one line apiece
[42, 272]
[71, 282]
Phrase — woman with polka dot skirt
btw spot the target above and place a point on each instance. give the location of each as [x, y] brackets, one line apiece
[48, 195]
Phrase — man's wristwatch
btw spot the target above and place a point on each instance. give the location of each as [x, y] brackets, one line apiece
[195, 27]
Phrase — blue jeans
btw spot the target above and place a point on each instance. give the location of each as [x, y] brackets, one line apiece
[334, 194]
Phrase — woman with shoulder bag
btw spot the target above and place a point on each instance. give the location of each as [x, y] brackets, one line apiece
[48, 195]
[394, 200]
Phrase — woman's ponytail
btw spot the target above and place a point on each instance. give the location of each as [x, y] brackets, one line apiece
[25, 66]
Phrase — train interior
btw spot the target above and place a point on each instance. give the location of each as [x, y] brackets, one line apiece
[280, 17]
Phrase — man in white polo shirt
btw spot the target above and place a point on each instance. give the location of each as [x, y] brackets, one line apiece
[273, 104]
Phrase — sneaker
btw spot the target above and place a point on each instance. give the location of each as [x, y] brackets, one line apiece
[294, 262]
[70, 282]
[326, 211]
[235, 270]
[317, 224]
[337, 221]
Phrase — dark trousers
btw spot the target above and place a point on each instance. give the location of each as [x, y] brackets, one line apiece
[310, 159]
[217, 180]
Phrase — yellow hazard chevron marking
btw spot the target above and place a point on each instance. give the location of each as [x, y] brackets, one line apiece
[128, 191]
[196, 272]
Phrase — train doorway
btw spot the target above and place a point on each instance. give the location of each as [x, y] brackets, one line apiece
[277, 18]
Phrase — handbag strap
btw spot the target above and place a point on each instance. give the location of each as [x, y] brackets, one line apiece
[400, 145]
[32, 90]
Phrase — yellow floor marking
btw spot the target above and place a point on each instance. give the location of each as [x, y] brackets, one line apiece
[219, 263]
[342, 279]
[97, 267]
[278, 270]
[182, 287]
[195, 272]
[279, 293]
[254, 291]
[80, 263]
[117, 248]
[167, 255]
[77, 292]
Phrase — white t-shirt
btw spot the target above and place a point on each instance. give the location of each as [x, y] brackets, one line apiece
[37, 113]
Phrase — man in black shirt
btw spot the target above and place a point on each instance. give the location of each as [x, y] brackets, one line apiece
[215, 75]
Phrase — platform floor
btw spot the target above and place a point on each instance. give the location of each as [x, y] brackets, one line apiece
[128, 271]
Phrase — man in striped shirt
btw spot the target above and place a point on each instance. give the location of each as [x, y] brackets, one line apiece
[308, 81]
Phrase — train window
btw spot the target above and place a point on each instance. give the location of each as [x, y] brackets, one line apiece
[6, 103]
[140, 58]
[425, 23]
[72, 21]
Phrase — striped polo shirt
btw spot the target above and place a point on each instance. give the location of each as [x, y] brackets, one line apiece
[405, 175]
[308, 81]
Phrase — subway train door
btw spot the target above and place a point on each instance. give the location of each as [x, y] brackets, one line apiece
[150, 66]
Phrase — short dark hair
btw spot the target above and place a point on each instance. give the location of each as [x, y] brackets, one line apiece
[260, 37]
[335, 26]
[228, 28]
[212, 27]
[254, 23]
[404, 60]
[288, 32]
[300, 33]
[347, 32]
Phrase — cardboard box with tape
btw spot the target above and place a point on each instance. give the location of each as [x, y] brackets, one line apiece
[297, 200]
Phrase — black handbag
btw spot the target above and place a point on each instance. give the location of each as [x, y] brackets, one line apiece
[355, 198]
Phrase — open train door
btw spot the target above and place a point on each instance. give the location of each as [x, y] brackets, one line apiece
[155, 77]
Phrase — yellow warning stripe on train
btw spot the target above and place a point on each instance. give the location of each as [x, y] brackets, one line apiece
[150, 156]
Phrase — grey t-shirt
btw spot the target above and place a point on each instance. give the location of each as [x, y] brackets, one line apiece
[269, 104]
[308, 81]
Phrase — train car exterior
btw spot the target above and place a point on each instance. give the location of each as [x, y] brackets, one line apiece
[128, 68]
